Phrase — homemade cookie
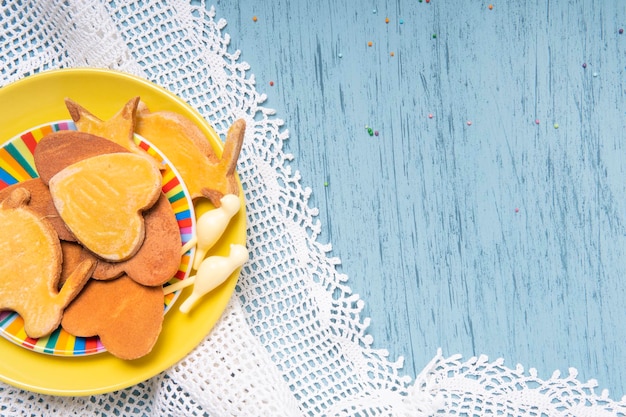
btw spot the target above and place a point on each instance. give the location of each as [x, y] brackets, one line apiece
[184, 145]
[119, 129]
[31, 265]
[74, 254]
[125, 315]
[178, 138]
[41, 204]
[158, 258]
[101, 200]
[156, 261]
[58, 150]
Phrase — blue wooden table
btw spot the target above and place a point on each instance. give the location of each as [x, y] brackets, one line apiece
[469, 164]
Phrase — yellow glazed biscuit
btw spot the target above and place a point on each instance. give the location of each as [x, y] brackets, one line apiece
[41, 204]
[178, 138]
[184, 145]
[101, 200]
[119, 129]
[31, 266]
[125, 315]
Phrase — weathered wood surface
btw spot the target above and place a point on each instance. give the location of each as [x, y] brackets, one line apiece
[484, 229]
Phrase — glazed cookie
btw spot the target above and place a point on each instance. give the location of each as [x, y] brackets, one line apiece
[118, 129]
[41, 204]
[31, 267]
[204, 173]
[102, 199]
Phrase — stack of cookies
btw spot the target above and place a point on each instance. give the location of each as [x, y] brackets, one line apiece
[94, 237]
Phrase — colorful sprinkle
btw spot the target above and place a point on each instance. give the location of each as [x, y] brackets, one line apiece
[556, 125]
[340, 55]
[254, 18]
[370, 43]
[516, 210]
[376, 133]
[325, 183]
[430, 115]
[370, 131]
[434, 36]
[469, 122]
[584, 65]
[401, 21]
[621, 31]
[392, 53]
[427, 1]
[271, 83]
[374, 11]
[490, 7]
[386, 20]
[536, 121]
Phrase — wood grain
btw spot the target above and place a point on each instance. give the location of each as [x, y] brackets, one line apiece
[484, 229]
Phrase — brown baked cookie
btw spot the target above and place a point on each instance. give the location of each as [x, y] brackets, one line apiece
[31, 266]
[61, 149]
[158, 259]
[127, 316]
[156, 262]
[41, 203]
[74, 254]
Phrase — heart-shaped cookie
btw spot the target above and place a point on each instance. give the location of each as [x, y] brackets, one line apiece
[127, 316]
[58, 150]
[157, 260]
[101, 200]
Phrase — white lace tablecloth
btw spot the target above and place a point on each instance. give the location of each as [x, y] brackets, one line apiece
[292, 341]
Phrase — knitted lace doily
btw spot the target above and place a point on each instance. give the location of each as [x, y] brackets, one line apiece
[292, 340]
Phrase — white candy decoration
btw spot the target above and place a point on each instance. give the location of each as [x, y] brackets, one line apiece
[213, 271]
[210, 226]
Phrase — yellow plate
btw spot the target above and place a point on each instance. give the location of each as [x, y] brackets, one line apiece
[39, 99]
